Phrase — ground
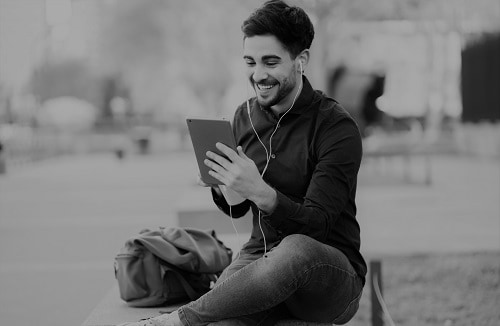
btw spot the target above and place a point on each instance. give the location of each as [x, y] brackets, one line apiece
[63, 220]
[459, 289]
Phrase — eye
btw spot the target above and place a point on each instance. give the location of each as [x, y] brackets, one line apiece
[272, 63]
[249, 62]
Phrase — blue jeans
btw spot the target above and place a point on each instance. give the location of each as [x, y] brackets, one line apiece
[300, 278]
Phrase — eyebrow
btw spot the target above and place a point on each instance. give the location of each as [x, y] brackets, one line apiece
[271, 57]
[264, 58]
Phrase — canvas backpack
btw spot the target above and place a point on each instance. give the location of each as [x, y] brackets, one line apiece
[169, 265]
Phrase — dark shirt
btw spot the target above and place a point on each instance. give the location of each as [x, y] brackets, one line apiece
[316, 155]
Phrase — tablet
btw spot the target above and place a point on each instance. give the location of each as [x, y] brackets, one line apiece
[205, 133]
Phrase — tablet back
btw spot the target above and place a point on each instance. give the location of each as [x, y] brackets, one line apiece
[205, 133]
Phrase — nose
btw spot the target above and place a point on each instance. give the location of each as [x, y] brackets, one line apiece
[259, 73]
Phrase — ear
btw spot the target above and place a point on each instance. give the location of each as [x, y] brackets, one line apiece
[303, 59]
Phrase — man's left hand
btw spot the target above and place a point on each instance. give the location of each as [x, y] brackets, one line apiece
[239, 173]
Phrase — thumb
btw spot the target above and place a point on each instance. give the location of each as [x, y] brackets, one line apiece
[239, 149]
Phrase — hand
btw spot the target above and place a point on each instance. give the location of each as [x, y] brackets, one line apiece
[239, 173]
[200, 182]
[232, 198]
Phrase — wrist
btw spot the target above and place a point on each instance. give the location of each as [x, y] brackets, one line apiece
[266, 199]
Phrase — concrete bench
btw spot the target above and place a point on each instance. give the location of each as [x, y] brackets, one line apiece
[196, 210]
[404, 149]
[113, 311]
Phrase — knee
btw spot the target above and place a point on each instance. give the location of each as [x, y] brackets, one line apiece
[296, 240]
[297, 247]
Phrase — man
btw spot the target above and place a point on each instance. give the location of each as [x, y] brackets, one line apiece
[296, 168]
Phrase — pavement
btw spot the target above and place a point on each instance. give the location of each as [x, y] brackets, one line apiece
[63, 220]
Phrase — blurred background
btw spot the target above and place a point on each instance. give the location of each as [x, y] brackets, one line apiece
[87, 84]
[84, 76]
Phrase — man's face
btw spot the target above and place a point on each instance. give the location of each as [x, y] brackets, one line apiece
[271, 70]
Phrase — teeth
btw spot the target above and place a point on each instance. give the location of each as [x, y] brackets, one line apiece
[265, 86]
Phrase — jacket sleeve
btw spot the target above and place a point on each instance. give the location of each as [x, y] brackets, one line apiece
[236, 211]
[242, 208]
[331, 190]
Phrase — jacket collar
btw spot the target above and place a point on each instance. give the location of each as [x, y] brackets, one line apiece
[305, 98]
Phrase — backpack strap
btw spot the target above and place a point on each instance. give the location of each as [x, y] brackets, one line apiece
[192, 294]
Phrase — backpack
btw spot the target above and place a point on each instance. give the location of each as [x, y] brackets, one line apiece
[169, 265]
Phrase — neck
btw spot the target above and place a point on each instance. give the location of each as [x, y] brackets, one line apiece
[278, 109]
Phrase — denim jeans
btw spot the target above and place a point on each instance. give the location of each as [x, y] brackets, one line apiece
[300, 278]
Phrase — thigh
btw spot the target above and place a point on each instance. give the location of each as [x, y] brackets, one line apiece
[326, 283]
[244, 258]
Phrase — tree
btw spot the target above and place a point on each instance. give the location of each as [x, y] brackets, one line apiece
[159, 46]
[64, 78]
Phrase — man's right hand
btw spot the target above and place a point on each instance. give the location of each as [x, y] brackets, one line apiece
[200, 182]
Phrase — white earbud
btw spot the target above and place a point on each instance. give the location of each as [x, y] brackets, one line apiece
[248, 110]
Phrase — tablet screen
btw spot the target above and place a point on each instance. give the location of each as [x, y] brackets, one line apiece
[205, 133]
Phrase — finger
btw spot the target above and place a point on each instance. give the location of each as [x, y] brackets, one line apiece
[217, 190]
[200, 182]
[217, 176]
[214, 166]
[228, 151]
[218, 159]
[242, 154]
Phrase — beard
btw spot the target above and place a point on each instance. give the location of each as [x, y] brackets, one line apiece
[278, 94]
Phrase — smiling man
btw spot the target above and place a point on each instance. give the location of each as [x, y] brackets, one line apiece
[296, 169]
[272, 71]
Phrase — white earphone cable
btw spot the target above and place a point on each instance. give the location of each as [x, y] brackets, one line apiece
[235, 230]
[269, 153]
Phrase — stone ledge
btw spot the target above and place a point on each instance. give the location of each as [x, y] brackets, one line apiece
[112, 311]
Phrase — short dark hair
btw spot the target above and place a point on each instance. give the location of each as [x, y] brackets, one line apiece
[289, 24]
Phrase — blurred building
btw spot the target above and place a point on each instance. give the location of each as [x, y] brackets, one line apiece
[414, 69]
[424, 60]
[480, 82]
[36, 33]
[22, 38]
